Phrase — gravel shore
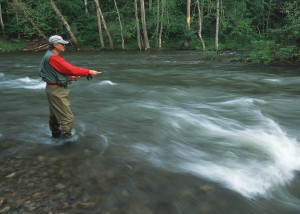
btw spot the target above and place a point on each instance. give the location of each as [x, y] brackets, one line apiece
[38, 184]
[43, 179]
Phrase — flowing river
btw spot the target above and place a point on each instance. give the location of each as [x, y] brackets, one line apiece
[167, 131]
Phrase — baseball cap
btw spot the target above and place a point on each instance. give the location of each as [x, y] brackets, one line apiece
[57, 39]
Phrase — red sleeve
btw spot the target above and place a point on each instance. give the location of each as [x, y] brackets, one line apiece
[66, 68]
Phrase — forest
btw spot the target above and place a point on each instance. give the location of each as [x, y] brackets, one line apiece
[268, 29]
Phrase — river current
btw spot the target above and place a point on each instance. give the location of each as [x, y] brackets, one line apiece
[211, 137]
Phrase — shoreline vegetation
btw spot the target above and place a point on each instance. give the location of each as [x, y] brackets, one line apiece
[242, 56]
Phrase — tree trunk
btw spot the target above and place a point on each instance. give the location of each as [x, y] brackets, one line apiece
[200, 12]
[111, 44]
[102, 45]
[138, 32]
[85, 6]
[145, 33]
[17, 18]
[269, 14]
[161, 23]
[157, 23]
[217, 24]
[121, 27]
[58, 13]
[188, 15]
[1, 20]
[22, 7]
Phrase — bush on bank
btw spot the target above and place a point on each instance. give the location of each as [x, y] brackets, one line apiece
[6, 45]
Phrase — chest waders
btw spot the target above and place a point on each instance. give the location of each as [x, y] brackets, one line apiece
[61, 117]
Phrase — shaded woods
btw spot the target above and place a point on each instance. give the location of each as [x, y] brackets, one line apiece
[269, 28]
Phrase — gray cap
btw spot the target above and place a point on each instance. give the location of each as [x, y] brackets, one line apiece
[57, 39]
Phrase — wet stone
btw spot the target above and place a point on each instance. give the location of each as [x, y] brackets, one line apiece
[11, 175]
[110, 174]
[186, 192]
[30, 205]
[41, 158]
[86, 204]
[37, 195]
[5, 209]
[125, 194]
[60, 186]
[2, 201]
[206, 188]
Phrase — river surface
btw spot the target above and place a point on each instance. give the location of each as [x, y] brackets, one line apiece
[183, 135]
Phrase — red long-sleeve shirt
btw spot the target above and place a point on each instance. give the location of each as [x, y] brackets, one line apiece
[66, 68]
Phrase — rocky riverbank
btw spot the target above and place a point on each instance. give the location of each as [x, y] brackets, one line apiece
[32, 183]
[35, 180]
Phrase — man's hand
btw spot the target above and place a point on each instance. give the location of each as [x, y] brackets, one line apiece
[95, 73]
[74, 78]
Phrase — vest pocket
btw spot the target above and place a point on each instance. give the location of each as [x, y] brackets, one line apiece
[63, 80]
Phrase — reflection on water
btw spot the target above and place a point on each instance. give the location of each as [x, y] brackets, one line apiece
[188, 123]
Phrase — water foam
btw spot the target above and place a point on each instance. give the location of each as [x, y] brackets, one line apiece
[44, 136]
[26, 83]
[253, 159]
[106, 82]
[262, 157]
[259, 161]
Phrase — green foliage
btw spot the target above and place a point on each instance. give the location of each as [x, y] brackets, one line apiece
[263, 51]
[291, 28]
[240, 35]
[85, 29]
[70, 8]
[267, 52]
[208, 55]
[11, 45]
[286, 53]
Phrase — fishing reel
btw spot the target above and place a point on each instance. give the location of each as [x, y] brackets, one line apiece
[89, 77]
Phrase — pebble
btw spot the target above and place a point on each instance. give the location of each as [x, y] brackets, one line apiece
[125, 194]
[30, 205]
[41, 158]
[2, 201]
[5, 209]
[60, 186]
[11, 175]
[36, 195]
[206, 188]
[86, 204]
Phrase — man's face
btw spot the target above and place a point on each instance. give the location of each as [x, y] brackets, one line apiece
[60, 47]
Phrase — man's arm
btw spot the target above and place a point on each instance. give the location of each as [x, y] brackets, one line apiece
[62, 66]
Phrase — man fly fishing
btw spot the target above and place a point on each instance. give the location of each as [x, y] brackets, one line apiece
[58, 74]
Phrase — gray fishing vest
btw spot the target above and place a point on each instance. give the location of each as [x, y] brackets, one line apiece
[49, 74]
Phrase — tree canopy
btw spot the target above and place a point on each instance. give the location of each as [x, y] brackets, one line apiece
[270, 28]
